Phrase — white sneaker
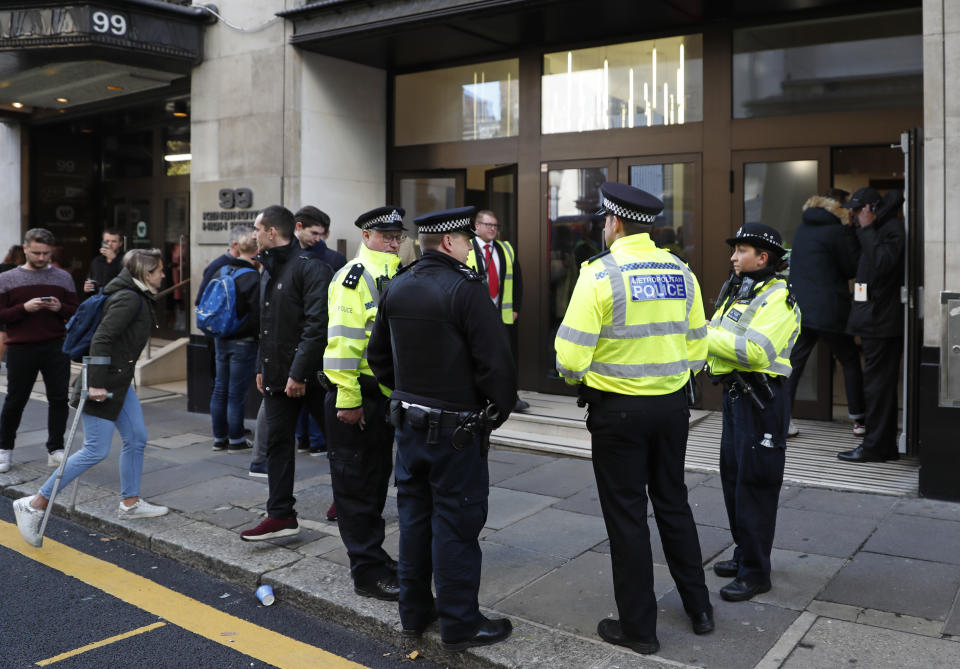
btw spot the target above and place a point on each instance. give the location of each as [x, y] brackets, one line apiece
[859, 429]
[55, 458]
[141, 509]
[6, 458]
[792, 430]
[28, 520]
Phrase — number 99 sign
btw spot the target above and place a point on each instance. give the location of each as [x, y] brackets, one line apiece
[115, 24]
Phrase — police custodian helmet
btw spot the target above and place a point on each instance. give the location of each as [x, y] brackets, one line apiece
[447, 220]
[629, 203]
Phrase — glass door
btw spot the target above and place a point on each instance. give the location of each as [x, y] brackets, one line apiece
[422, 192]
[574, 233]
[771, 187]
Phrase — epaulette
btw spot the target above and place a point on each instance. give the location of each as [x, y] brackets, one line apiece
[469, 274]
[596, 257]
[353, 276]
[404, 268]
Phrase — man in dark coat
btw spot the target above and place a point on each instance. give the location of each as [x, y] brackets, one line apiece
[877, 318]
[822, 262]
[293, 336]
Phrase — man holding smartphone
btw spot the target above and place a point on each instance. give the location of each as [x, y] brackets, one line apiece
[105, 267]
[36, 300]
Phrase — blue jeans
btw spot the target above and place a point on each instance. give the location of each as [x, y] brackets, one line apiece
[97, 435]
[308, 430]
[236, 366]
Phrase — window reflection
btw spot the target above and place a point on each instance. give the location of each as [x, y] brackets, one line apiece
[655, 82]
[774, 193]
[674, 229]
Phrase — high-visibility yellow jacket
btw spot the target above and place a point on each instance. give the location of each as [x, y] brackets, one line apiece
[635, 323]
[506, 287]
[352, 305]
[754, 334]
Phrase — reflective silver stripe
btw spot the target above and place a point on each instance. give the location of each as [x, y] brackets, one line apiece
[509, 252]
[758, 301]
[740, 347]
[568, 374]
[788, 349]
[346, 331]
[697, 365]
[617, 289]
[653, 369]
[688, 280]
[578, 337]
[341, 363]
[717, 320]
[371, 286]
[778, 368]
[644, 330]
[763, 341]
[508, 277]
[506, 305]
[697, 333]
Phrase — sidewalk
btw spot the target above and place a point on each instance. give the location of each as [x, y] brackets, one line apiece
[859, 579]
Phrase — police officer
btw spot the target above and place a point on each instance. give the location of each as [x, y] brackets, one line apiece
[750, 338]
[360, 440]
[632, 334]
[439, 343]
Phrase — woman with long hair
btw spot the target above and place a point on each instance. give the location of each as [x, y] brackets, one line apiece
[124, 330]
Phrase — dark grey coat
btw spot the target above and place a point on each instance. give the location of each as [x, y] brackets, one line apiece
[124, 330]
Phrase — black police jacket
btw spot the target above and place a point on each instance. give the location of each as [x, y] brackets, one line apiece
[293, 316]
[439, 341]
[881, 268]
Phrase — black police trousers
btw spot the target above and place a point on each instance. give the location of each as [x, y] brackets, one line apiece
[881, 373]
[360, 467]
[752, 473]
[281, 414]
[442, 502]
[639, 445]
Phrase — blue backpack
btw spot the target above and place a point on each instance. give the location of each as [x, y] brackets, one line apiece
[217, 311]
[83, 324]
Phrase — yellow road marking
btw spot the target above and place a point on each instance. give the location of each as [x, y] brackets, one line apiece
[99, 644]
[193, 616]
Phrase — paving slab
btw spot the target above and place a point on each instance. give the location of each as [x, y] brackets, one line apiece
[918, 537]
[556, 478]
[708, 507]
[553, 532]
[821, 533]
[860, 505]
[320, 546]
[209, 494]
[391, 544]
[181, 440]
[797, 578]
[713, 541]
[101, 512]
[898, 621]
[587, 502]
[20, 474]
[835, 643]
[227, 517]
[169, 479]
[516, 457]
[576, 596]
[929, 508]
[910, 587]
[745, 632]
[507, 569]
[500, 471]
[505, 507]
[221, 552]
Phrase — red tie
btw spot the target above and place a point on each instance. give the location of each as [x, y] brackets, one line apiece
[493, 281]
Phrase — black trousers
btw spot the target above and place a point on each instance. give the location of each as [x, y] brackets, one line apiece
[281, 414]
[843, 348]
[361, 461]
[442, 502]
[881, 371]
[23, 363]
[751, 472]
[639, 445]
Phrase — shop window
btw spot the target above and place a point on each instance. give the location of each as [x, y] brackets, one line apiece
[655, 82]
[128, 155]
[867, 62]
[176, 150]
[455, 104]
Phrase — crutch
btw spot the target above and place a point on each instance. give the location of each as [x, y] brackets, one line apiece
[84, 393]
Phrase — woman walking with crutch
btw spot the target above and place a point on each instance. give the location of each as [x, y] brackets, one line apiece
[128, 317]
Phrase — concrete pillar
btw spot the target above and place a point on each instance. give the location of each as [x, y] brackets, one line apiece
[10, 185]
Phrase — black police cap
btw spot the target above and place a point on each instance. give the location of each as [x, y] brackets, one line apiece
[629, 203]
[447, 220]
[862, 197]
[382, 218]
[759, 236]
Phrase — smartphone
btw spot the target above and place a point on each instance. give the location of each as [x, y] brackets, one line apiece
[46, 299]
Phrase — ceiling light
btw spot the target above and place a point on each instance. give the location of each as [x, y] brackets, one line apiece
[64, 100]
[86, 131]
[177, 157]
[16, 105]
[114, 88]
[180, 109]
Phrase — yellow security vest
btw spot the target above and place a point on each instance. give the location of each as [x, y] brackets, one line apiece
[635, 324]
[506, 290]
[352, 309]
[756, 334]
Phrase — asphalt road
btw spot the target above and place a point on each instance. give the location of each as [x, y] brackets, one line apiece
[47, 612]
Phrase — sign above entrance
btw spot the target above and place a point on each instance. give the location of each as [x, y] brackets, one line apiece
[224, 205]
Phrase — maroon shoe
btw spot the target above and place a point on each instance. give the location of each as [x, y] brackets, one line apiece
[272, 528]
[332, 512]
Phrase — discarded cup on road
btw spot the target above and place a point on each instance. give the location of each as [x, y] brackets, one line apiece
[265, 595]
